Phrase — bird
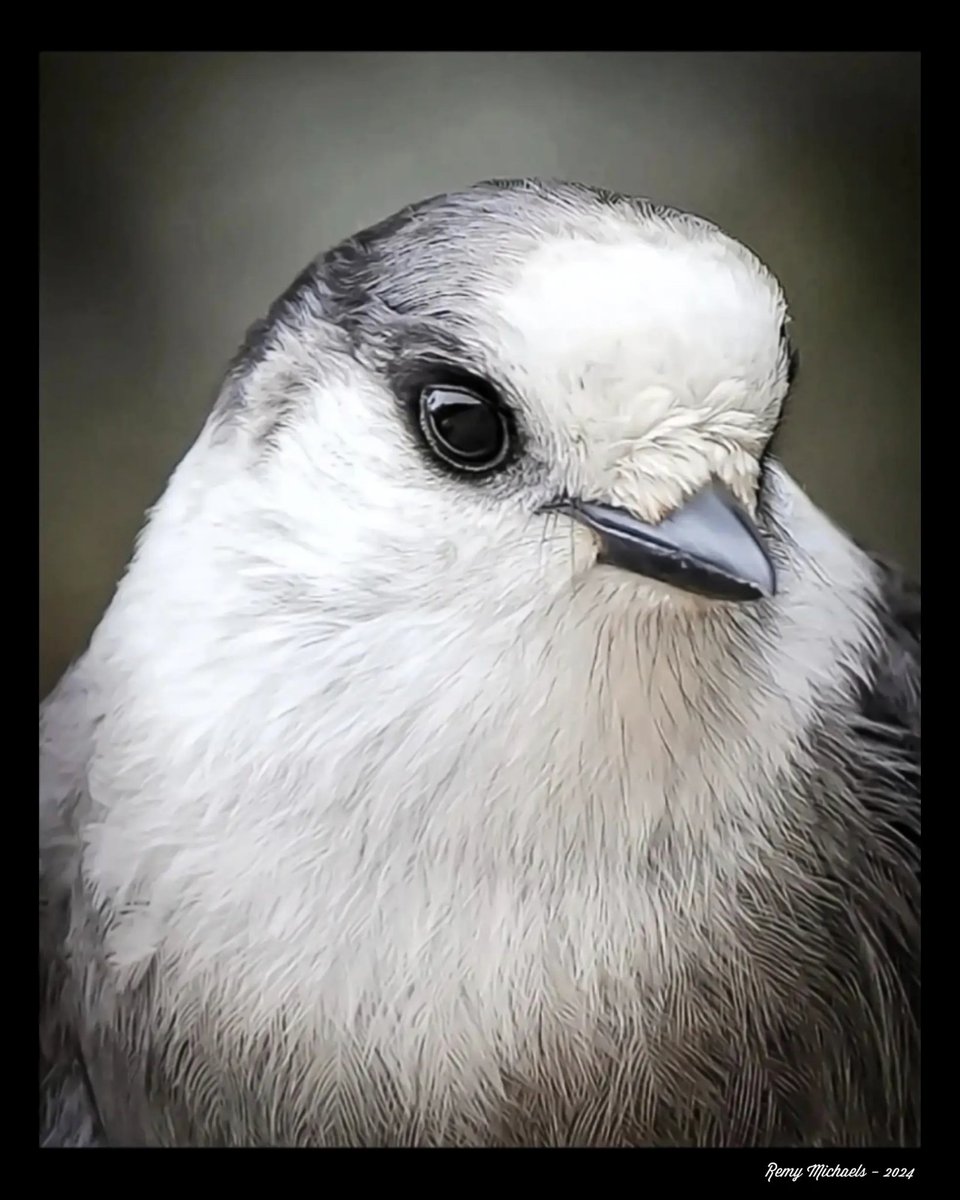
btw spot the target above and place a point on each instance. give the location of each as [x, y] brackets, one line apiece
[489, 742]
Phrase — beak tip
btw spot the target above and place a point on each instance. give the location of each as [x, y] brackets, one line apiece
[764, 591]
[765, 587]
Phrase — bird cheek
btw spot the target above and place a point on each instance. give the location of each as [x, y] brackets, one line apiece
[446, 553]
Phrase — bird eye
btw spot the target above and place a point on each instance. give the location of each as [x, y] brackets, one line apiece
[464, 429]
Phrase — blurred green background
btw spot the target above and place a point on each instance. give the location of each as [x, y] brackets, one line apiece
[180, 192]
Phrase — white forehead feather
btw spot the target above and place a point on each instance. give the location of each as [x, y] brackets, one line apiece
[583, 294]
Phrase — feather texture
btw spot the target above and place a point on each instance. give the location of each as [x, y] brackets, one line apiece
[378, 813]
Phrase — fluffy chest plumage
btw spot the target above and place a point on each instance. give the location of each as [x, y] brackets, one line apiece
[432, 993]
[469, 901]
[471, 854]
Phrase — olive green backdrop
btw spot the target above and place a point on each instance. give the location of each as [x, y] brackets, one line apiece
[180, 192]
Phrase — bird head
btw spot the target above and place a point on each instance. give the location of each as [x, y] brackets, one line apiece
[509, 391]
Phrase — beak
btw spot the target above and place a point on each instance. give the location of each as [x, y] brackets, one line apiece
[709, 546]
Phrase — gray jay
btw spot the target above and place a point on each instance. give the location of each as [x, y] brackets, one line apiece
[489, 743]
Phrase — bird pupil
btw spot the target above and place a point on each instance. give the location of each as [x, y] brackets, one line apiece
[467, 426]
